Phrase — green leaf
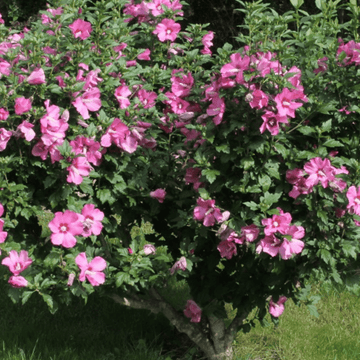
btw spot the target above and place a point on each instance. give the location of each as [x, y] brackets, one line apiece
[313, 310]
[247, 162]
[252, 205]
[349, 249]
[210, 174]
[265, 182]
[332, 143]
[225, 148]
[121, 278]
[25, 296]
[325, 255]
[326, 126]
[306, 130]
[104, 195]
[270, 199]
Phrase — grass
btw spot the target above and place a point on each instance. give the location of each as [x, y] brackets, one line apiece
[103, 330]
[335, 335]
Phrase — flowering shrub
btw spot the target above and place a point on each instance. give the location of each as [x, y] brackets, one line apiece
[244, 161]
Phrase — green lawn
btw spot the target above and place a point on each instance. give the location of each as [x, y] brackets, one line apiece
[103, 330]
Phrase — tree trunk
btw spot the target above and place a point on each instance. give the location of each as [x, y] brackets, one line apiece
[209, 335]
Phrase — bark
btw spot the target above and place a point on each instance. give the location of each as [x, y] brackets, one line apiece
[215, 342]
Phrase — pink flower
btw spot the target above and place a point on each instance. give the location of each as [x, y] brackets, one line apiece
[322, 65]
[92, 220]
[120, 135]
[88, 147]
[167, 30]
[1, 20]
[278, 223]
[217, 109]
[5, 136]
[147, 98]
[145, 55]
[1, 209]
[271, 122]
[64, 227]
[207, 42]
[236, 67]
[285, 103]
[276, 309]
[122, 93]
[4, 114]
[193, 175]
[319, 170]
[81, 29]
[88, 101]
[22, 105]
[258, 99]
[179, 265]
[159, 195]
[3, 234]
[286, 248]
[79, 167]
[71, 279]
[37, 77]
[207, 212]
[25, 128]
[250, 232]
[17, 262]
[18, 281]
[227, 249]
[91, 271]
[149, 249]
[181, 83]
[193, 311]
[130, 251]
[353, 196]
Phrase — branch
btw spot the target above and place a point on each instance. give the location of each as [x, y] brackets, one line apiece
[158, 304]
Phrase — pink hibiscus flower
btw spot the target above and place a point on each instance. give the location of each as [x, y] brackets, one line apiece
[353, 196]
[91, 220]
[179, 265]
[88, 101]
[37, 77]
[81, 29]
[207, 212]
[158, 194]
[17, 262]
[64, 227]
[227, 249]
[91, 271]
[278, 223]
[192, 311]
[22, 105]
[276, 309]
[167, 30]
[79, 167]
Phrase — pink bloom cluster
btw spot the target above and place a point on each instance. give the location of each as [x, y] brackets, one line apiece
[227, 247]
[315, 171]
[17, 263]
[288, 240]
[65, 226]
[207, 212]
[127, 140]
[53, 128]
[144, 11]
[352, 54]
[192, 311]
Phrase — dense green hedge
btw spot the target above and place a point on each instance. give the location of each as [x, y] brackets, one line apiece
[221, 15]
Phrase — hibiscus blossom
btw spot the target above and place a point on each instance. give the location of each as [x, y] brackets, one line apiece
[91, 270]
[64, 227]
